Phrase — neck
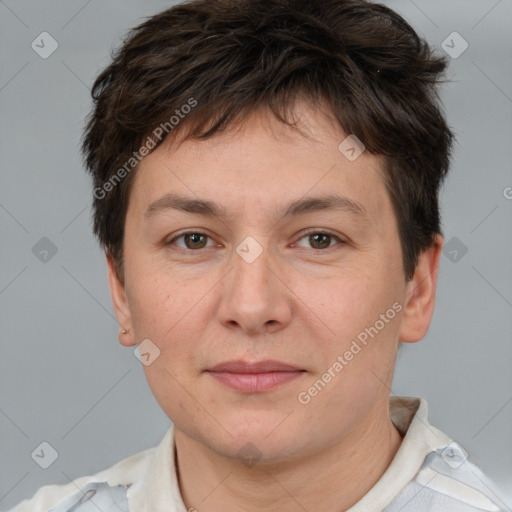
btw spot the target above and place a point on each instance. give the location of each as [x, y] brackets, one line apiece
[334, 479]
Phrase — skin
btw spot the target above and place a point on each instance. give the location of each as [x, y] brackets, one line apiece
[297, 302]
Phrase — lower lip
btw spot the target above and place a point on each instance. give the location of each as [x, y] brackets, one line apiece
[255, 382]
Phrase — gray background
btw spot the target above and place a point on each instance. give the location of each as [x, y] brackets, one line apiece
[64, 378]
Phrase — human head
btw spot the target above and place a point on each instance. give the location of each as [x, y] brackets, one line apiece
[205, 65]
[256, 97]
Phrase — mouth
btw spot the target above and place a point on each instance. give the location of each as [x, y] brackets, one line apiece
[254, 377]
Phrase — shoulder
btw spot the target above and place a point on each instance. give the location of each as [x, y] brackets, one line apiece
[448, 480]
[105, 488]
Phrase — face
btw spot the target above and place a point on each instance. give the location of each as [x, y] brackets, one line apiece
[294, 258]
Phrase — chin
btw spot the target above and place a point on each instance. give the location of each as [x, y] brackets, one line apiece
[227, 435]
[259, 450]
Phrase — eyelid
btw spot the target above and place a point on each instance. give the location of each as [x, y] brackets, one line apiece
[320, 230]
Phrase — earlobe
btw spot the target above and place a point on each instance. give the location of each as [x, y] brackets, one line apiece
[120, 304]
[421, 292]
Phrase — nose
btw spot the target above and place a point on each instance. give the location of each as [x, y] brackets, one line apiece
[254, 297]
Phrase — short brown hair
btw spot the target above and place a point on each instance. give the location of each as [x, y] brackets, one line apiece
[226, 58]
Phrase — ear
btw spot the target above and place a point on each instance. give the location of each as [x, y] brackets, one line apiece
[421, 294]
[121, 308]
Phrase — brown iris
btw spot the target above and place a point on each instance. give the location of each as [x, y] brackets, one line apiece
[323, 239]
[195, 238]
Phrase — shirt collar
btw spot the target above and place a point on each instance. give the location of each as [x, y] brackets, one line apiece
[410, 417]
[158, 489]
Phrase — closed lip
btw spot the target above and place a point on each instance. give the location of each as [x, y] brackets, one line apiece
[240, 366]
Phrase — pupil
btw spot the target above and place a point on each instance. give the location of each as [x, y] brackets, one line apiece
[324, 236]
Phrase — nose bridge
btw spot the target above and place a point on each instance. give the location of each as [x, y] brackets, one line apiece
[254, 298]
[252, 273]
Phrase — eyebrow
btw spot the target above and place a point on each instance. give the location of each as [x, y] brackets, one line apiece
[292, 209]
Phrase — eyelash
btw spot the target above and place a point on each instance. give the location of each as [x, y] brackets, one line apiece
[307, 233]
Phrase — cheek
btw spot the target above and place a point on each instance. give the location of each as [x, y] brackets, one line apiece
[173, 313]
[352, 311]
[159, 301]
[344, 304]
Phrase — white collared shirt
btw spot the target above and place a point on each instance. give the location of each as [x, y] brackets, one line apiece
[429, 473]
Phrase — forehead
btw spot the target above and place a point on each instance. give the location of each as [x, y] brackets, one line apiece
[262, 163]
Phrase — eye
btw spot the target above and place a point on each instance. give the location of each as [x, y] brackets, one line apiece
[321, 240]
[192, 239]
